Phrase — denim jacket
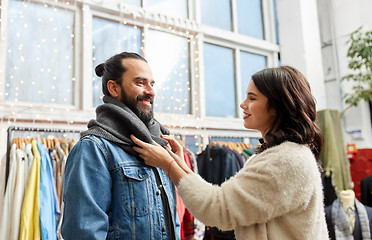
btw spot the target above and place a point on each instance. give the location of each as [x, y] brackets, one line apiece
[109, 194]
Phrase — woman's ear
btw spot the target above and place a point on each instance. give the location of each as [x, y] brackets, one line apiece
[114, 89]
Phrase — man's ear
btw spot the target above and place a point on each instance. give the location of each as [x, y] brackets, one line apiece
[114, 89]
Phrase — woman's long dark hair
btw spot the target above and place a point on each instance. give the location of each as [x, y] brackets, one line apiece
[289, 94]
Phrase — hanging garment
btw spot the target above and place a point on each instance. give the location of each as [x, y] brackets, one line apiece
[19, 191]
[54, 183]
[60, 220]
[192, 157]
[30, 213]
[60, 171]
[57, 173]
[187, 224]
[198, 227]
[48, 213]
[181, 209]
[2, 182]
[216, 165]
[328, 190]
[53, 163]
[186, 218]
[6, 218]
[238, 157]
[333, 156]
[30, 156]
[366, 191]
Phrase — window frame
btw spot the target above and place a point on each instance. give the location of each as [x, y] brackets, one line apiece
[196, 121]
[3, 50]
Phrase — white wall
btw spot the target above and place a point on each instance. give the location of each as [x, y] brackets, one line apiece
[300, 43]
[337, 19]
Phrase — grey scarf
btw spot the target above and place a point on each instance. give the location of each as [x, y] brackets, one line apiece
[116, 122]
[339, 220]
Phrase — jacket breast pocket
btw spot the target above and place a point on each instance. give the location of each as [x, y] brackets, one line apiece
[136, 194]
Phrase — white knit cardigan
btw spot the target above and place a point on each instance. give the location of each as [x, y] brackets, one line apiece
[276, 195]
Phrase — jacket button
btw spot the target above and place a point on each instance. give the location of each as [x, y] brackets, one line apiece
[164, 228]
[158, 192]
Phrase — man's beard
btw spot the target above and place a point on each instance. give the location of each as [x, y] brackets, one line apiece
[132, 104]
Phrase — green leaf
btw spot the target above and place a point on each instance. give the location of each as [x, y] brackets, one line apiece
[360, 62]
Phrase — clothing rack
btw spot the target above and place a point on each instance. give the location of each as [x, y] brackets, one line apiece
[226, 139]
[37, 132]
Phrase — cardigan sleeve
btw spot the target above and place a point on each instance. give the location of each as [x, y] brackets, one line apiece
[273, 183]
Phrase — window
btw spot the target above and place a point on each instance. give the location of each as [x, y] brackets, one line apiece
[132, 2]
[168, 56]
[202, 54]
[216, 13]
[177, 8]
[192, 143]
[110, 38]
[219, 81]
[249, 64]
[220, 78]
[276, 22]
[250, 18]
[39, 69]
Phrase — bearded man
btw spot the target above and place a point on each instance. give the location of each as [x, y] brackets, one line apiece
[109, 192]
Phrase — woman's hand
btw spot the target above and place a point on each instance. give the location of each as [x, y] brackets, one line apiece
[176, 152]
[153, 154]
[157, 156]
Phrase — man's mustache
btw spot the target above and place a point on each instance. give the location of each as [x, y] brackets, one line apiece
[145, 97]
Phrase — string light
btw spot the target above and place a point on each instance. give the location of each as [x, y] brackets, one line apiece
[177, 87]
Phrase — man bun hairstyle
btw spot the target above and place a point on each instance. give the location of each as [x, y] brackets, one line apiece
[99, 69]
[113, 69]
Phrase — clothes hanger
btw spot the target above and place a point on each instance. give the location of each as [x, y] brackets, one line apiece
[15, 141]
[19, 145]
[23, 142]
[231, 145]
[52, 143]
[43, 141]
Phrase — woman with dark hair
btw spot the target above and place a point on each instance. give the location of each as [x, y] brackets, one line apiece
[278, 193]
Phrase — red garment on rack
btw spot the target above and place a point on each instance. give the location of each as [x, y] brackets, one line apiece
[360, 167]
[186, 218]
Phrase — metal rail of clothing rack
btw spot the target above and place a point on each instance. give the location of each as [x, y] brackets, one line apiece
[34, 132]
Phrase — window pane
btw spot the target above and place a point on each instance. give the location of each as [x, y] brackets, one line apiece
[216, 13]
[254, 142]
[249, 64]
[110, 38]
[168, 56]
[177, 8]
[132, 2]
[250, 18]
[219, 81]
[39, 61]
[276, 22]
[193, 143]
